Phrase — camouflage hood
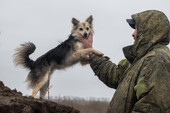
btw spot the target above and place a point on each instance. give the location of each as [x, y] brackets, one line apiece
[153, 30]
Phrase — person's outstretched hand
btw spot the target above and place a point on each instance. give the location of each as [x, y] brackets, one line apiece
[88, 43]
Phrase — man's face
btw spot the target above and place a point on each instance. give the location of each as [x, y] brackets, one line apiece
[134, 35]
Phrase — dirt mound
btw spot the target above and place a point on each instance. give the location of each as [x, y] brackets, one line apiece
[12, 101]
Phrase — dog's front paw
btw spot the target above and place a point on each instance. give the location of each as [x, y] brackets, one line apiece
[98, 53]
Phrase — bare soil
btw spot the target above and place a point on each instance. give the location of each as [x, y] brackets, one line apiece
[12, 101]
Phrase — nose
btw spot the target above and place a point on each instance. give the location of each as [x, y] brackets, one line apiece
[85, 35]
[133, 35]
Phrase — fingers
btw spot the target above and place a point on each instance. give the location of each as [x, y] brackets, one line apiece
[87, 42]
[81, 37]
[90, 38]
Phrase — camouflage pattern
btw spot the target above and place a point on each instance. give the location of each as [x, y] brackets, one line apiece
[142, 84]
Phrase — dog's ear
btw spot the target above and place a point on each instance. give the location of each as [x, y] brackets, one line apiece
[75, 21]
[89, 19]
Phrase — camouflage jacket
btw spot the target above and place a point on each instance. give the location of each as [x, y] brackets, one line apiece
[142, 80]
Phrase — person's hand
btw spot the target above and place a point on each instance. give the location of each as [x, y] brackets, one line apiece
[88, 43]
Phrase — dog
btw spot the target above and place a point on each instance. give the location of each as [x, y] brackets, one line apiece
[66, 54]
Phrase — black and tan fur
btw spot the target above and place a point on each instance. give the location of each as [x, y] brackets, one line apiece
[66, 54]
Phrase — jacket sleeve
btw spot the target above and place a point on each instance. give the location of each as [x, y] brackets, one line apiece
[108, 72]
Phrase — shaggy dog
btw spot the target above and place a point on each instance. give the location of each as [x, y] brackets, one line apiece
[66, 54]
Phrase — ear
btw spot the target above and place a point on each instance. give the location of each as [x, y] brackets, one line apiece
[75, 21]
[89, 19]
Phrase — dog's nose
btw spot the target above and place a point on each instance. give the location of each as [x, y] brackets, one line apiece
[85, 35]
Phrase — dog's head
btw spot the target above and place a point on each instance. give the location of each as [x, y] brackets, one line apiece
[82, 28]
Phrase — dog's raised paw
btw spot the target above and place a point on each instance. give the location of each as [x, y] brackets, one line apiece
[98, 53]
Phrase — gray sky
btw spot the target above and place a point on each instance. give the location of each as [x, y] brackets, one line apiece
[45, 22]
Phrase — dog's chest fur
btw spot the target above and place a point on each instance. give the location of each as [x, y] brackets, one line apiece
[79, 45]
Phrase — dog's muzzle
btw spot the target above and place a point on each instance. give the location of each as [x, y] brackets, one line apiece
[85, 35]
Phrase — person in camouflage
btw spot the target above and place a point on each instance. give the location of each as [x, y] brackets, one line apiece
[142, 80]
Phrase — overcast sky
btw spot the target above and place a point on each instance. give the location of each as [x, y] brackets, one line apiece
[47, 22]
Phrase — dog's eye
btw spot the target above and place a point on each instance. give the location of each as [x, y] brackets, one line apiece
[87, 28]
[81, 29]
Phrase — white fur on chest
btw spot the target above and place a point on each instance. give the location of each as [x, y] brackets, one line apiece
[79, 45]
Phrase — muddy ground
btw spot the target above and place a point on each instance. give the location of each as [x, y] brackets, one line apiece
[12, 101]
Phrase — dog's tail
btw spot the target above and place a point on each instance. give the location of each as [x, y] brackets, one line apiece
[21, 57]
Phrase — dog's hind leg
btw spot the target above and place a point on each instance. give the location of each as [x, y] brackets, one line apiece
[40, 84]
[44, 89]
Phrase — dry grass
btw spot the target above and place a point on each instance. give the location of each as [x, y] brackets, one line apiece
[87, 107]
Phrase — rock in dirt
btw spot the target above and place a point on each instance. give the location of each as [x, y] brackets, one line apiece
[12, 101]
